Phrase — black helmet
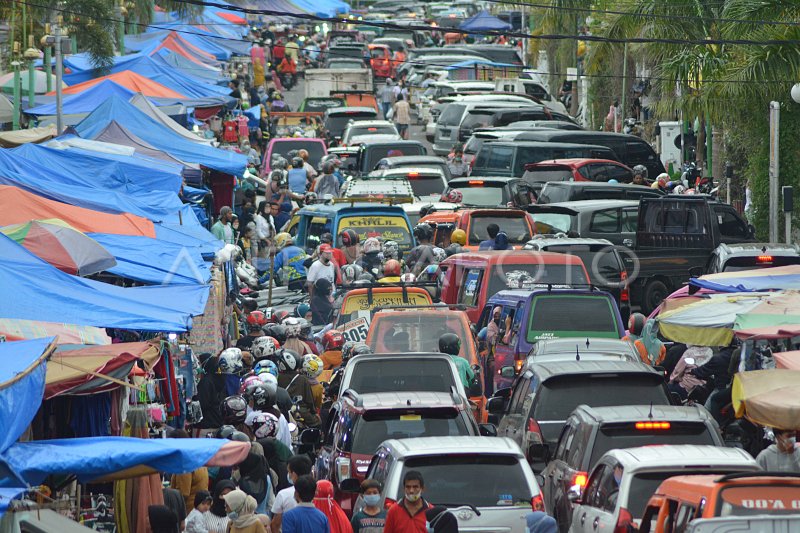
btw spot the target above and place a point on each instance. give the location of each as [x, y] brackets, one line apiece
[276, 331]
[297, 162]
[361, 349]
[423, 231]
[263, 398]
[225, 432]
[234, 410]
[239, 436]
[449, 343]
[347, 350]
[289, 360]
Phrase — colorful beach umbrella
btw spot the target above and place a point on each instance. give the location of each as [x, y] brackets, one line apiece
[62, 246]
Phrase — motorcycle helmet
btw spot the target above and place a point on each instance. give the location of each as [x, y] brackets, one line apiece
[453, 196]
[234, 410]
[361, 349]
[391, 268]
[305, 325]
[289, 360]
[256, 320]
[333, 340]
[224, 432]
[459, 236]
[277, 332]
[280, 316]
[297, 162]
[312, 366]
[391, 250]
[301, 310]
[276, 176]
[238, 436]
[408, 277]
[264, 348]
[282, 240]
[679, 189]
[265, 365]
[230, 361]
[263, 398]
[248, 381]
[270, 383]
[439, 254]
[349, 237]
[310, 198]
[265, 425]
[450, 344]
[347, 350]
[636, 323]
[423, 232]
[372, 246]
[351, 273]
[328, 167]
[326, 238]
[641, 170]
[292, 325]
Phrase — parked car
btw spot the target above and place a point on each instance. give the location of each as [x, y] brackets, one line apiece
[750, 256]
[370, 153]
[592, 348]
[457, 121]
[475, 221]
[427, 183]
[592, 431]
[612, 220]
[607, 504]
[369, 130]
[493, 191]
[509, 158]
[736, 524]
[493, 117]
[336, 119]
[600, 170]
[484, 481]
[413, 161]
[357, 305]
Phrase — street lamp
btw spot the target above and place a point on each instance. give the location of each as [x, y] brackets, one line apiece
[31, 54]
[796, 92]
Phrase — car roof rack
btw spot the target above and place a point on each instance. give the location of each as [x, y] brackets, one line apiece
[449, 307]
[352, 200]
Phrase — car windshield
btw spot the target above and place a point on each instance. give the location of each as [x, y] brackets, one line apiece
[551, 223]
[601, 262]
[482, 480]
[488, 195]
[336, 124]
[616, 436]
[516, 228]
[558, 397]
[424, 375]
[316, 150]
[373, 428]
[417, 332]
[552, 315]
[373, 154]
[758, 499]
[533, 276]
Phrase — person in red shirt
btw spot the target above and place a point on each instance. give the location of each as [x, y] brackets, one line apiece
[338, 255]
[408, 515]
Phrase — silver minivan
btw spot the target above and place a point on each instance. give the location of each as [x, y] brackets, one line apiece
[484, 481]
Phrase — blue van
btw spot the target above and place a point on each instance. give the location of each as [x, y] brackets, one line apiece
[368, 219]
[528, 316]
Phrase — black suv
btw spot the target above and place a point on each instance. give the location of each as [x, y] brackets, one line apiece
[543, 395]
[592, 431]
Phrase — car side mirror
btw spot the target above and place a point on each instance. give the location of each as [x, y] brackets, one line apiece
[508, 372]
[539, 452]
[496, 405]
[695, 272]
[350, 485]
[574, 495]
[310, 436]
[487, 430]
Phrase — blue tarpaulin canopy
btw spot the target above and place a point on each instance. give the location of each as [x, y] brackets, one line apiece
[34, 290]
[484, 21]
[154, 261]
[22, 375]
[138, 123]
[86, 101]
[756, 280]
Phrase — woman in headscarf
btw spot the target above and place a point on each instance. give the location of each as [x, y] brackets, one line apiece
[217, 517]
[540, 522]
[253, 478]
[323, 500]
[241, 510]
[650, 347]
[209, 395]
[440, 520]
[322, 302]
[493, 329]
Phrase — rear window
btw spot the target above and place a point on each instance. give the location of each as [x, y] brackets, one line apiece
[384, 129]
[531, 154]
[373, 154]
[316, 150]
[414, 333]
[489, 195]
[432, 375]
[534, 276]
[320, 105]
[451, 115]
[735, 264]
[553, 316]
[477, 118]
[616, 436]
[558, 397]
[384, 227]
[547, 174]
[338, 122]
[430, 185]
[774, 498]
[516, 228]
[374, 428]
[451, 479]
[550, 223]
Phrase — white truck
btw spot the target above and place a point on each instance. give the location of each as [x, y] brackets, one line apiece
[322, 82]
[531, 87]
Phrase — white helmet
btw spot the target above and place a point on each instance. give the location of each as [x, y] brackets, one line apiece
[408, 277]
[679, 189]
[230, 361]
[270, 382]
[312, 366]
[264, 347]
[292, 325]
[439, 254]
[265, 425]
[372, 245]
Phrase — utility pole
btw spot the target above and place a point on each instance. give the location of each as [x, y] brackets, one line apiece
[624, 81]
[59, 73]
[17, 93]
[774, 159]
[48, 67]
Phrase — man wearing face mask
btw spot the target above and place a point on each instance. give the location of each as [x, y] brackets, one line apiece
[298, 465]
[784, 455]
[408, 515]
[323, 267]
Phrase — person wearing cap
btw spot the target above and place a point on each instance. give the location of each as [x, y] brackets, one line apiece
[338, 256]
[323, 267]
[222, 228]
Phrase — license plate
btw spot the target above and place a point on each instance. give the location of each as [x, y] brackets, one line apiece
[445, 134]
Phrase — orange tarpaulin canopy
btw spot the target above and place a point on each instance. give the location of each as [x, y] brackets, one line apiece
[180, 46]
[131, 80]
[18, 206]
[230, 17]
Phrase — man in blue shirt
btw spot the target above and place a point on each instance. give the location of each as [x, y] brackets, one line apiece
[488, 244]
[305, 518]
[279, 216]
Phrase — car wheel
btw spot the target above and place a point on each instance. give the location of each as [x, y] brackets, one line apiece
[654, 293]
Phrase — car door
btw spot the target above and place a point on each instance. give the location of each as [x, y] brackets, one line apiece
[585, 517]
[513, 423]
[554, 472]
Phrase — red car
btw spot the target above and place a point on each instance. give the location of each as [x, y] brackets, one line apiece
[577, 170]
[381, 60]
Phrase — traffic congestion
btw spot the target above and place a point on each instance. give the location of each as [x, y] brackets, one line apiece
[373, 272]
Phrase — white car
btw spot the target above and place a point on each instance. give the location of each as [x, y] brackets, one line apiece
[484, 481]
[427, 183]
[369, 130]
[623, 481]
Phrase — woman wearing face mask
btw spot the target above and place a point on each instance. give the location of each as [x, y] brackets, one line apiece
[241, 513]
[372, 517]
[217, 517]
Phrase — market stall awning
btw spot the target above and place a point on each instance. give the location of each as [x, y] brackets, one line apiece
[94, 458]
[787, 360]
[10, 139]
[84, 102]
[768, 397]
[23, 366]
[15, 329]
[130, 80]
[759, 279]
[484, 21]
[85, 370]
[39, 82]
[231, 17]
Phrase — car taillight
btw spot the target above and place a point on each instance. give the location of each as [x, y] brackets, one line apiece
[537, 503]
[624, 522]
[533, 427]
[388, 502]
[580, 479]
[624, 295]
[343, 468]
